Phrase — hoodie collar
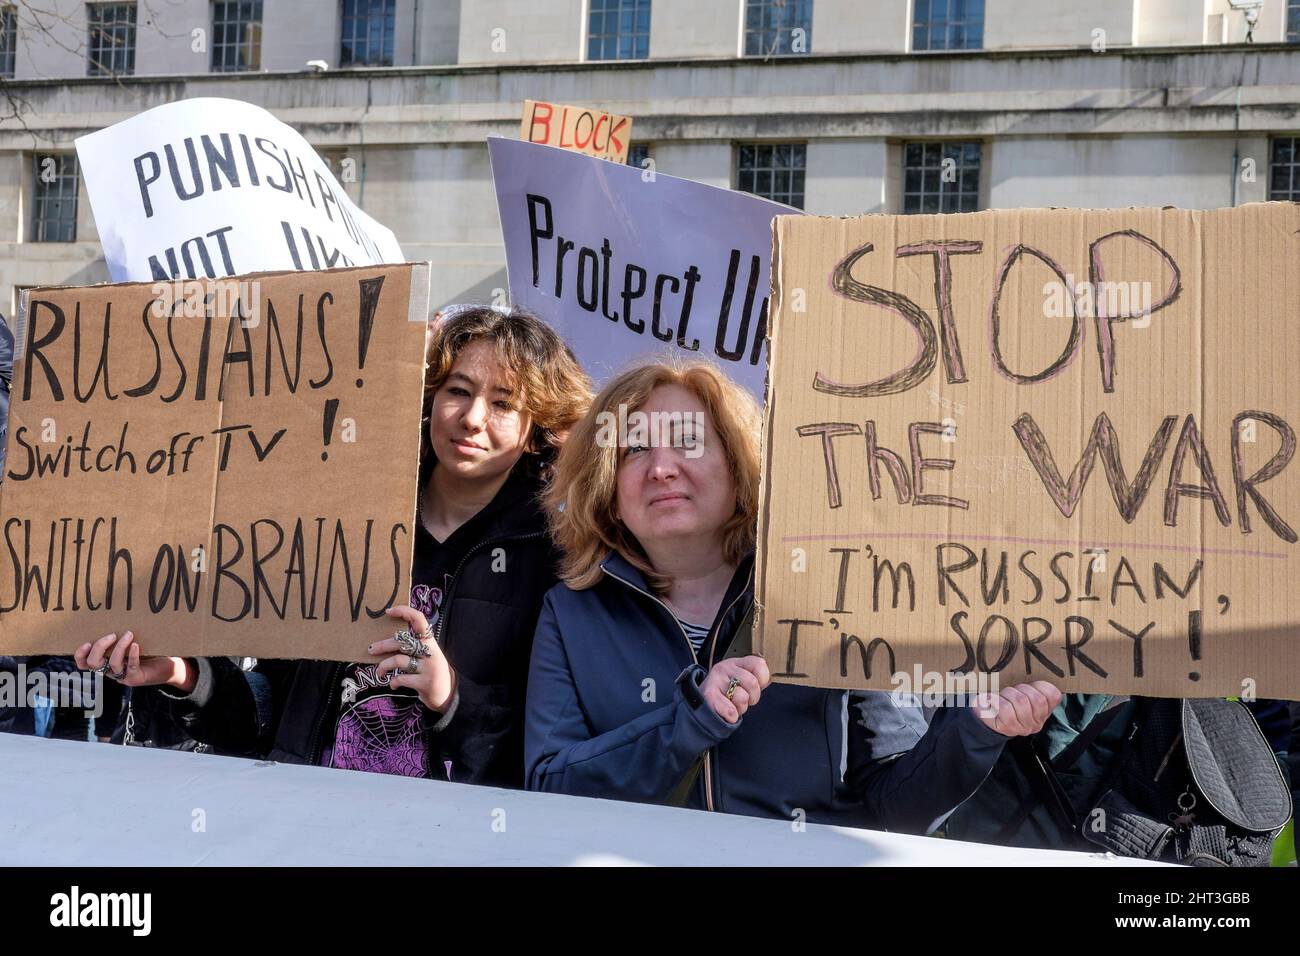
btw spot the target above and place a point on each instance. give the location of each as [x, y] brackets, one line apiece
[516, 508]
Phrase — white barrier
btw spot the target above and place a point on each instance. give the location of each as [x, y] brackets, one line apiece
[73, 804]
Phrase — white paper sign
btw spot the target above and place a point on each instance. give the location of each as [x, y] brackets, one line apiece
[215, 187]
[627, 263]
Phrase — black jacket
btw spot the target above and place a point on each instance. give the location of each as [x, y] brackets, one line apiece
[288, 709]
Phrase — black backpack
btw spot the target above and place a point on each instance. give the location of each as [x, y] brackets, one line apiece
[1194, 782]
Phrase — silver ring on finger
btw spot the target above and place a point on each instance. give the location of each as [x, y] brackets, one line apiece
[121, 676]
[102, 668]
[731, 687]
[413, 667]
[410, 645]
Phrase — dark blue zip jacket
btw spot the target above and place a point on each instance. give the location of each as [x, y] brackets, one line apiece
[614, 710]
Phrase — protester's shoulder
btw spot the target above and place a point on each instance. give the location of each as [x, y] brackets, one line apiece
[564, 599]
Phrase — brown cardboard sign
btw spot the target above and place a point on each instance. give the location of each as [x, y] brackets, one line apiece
[224, 466]
[579, 128]
[1047, 444]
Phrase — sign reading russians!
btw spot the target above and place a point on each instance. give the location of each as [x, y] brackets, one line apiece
[1037, 445]
[184, 461]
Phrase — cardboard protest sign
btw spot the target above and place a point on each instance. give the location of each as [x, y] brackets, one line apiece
[579, 128]
[1035, 444]
[224, 466]
[214, 187]
[628, 264]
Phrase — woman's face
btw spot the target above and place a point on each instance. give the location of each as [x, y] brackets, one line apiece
[676, 484]
[476, 425]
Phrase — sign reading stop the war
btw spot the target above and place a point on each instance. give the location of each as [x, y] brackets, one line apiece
[1035, 445]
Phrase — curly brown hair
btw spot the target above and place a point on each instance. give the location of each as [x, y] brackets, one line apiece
[552, 386]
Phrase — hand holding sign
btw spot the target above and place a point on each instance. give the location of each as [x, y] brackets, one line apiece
[126, 666]
[1018, 711]
[433, 678]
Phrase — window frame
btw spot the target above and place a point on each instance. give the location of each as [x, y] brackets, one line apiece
[796, 170]
[219, 44]
[9, 45]
[38, 225]
[766, 6]
[387, 33]
[1292, 165]
[649, 153]
[940, 146]
[944, 25]
[95, 63]
[633, 33]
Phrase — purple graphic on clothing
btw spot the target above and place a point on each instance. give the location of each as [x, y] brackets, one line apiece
[381, 730]
[427, 600]
[382, 735]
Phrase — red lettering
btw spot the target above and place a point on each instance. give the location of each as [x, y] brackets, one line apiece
[604, 118]
[545, 123]
[564, 127]
[620, 146]
[578, 140]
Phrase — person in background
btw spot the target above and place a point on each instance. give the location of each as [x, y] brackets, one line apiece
[1053, 791]
[444, 698]
[641, 685]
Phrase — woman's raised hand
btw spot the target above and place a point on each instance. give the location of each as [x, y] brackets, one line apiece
[735, 685]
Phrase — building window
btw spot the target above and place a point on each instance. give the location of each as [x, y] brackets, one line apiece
[8, 41]
[111, 45]
[941, 177]
[638, 154]
[1284, 169]
[367, 33]
[236, 35]
[54, 197]
[778, 27]
[1293, 21]
[948, 25]
[773, 171]
[618, 30]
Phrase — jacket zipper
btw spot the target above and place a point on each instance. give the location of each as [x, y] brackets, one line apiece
[713, 646]
[713, 640]
[313, 751]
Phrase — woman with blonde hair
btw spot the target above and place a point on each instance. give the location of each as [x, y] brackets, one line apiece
[641, 686]
[444, 697]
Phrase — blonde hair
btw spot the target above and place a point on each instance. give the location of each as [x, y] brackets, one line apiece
[582, 497]
[552, 387]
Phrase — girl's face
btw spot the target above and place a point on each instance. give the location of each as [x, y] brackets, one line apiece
[477, 426]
